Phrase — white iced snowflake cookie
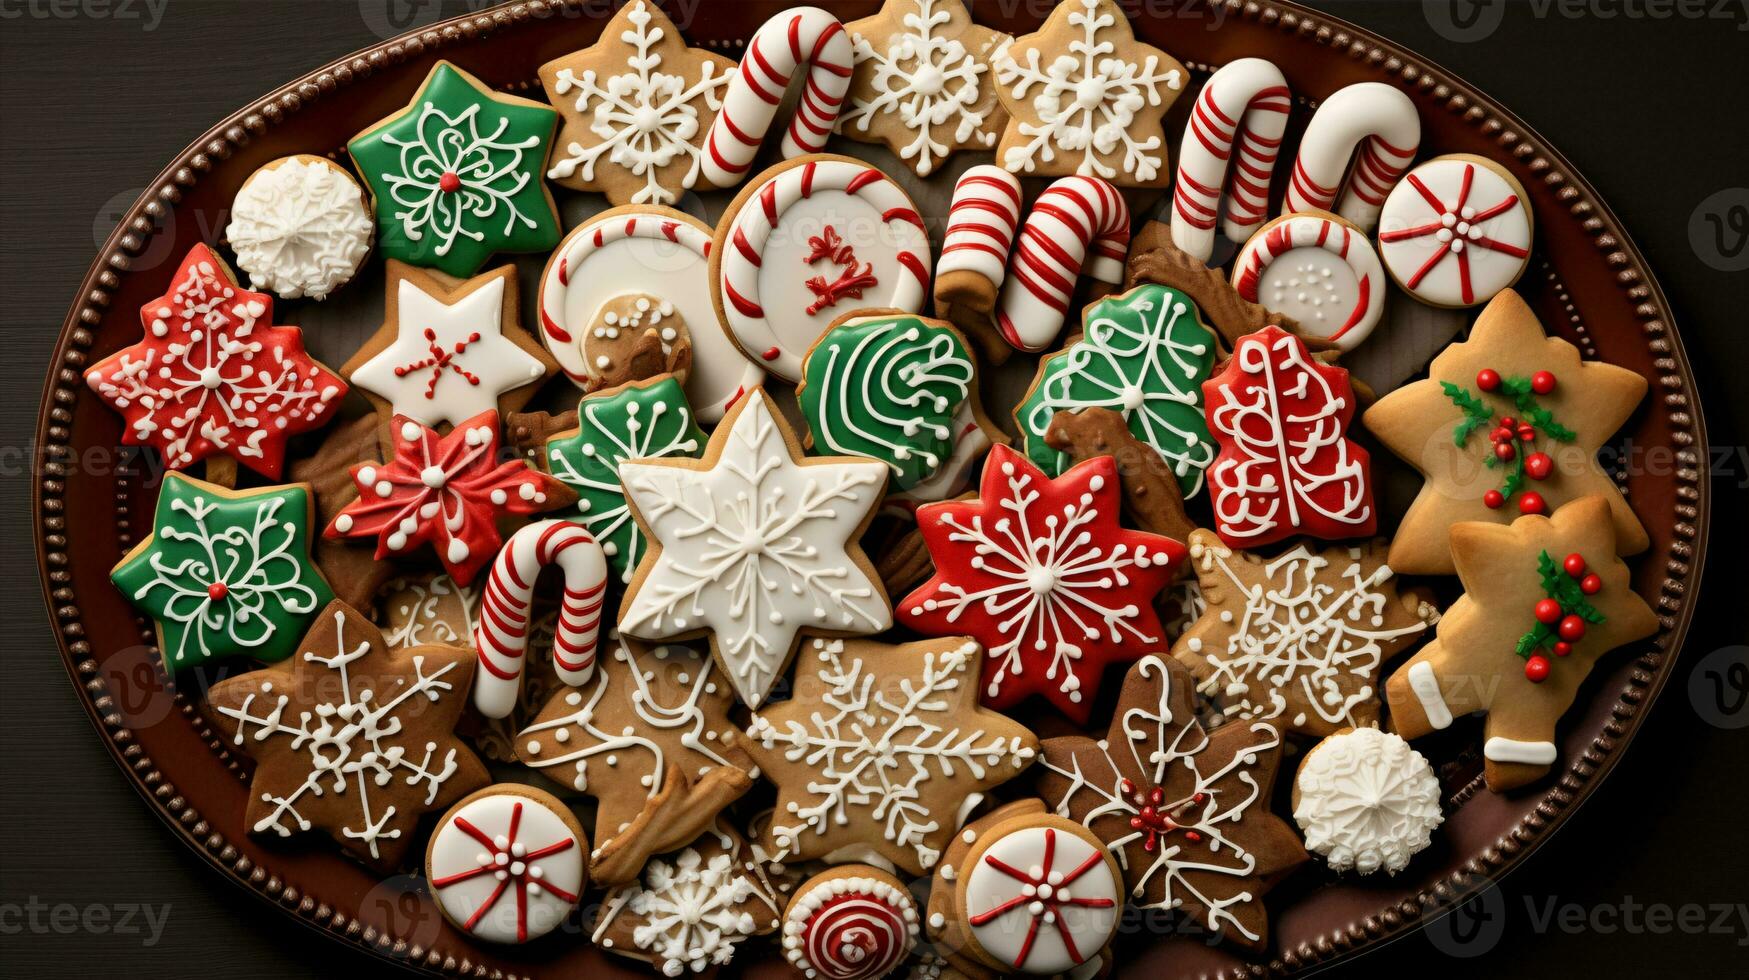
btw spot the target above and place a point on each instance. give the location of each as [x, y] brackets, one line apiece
[299, 227]
[507, 864]
[1365, 800]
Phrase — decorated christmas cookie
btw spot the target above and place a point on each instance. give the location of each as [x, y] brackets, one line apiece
[1298, 639]
[1507, 422]
[1039, 895]
[1354, 149]
[299, 227]
[455, 177]
[448, 490]
[429, 607]
[1154, 258]
[1185, 813]
[752, 544]
[923, 83]
[1146, 354]
[1456, 231]
[1085, 97]
[791, 40]
[640, 420]
[890, 387]
[1318, 269]
[882, 751]
[350, 737]
[355, 574]
[805, 243]
[1041, 572]
[506, 622]
[1151, 498]
[626, 292]
[506, 864]
[636, 106]
[852, 922]
[225, 573]
[1078, 222]
[650, 738]
[982, 220]
[1286, 464]
[1544, 599]
[1366, 801]
[690, 909]
[448, 350]
[1229, 150]
[213, 376]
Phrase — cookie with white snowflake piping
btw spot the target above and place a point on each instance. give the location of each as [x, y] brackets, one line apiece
[1298, 639]
[300, 227]
[923, 82]
[1366, 801]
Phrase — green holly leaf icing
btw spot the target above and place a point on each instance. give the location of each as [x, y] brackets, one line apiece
[226, 574]
[887, 388]
[457, 177]
[633, 421]
[1146, 354]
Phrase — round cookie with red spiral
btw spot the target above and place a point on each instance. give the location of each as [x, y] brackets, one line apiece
[853, 922]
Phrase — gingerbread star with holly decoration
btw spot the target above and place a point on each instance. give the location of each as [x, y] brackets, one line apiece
[1544, 598]
[1185, 812]
[1507, 422]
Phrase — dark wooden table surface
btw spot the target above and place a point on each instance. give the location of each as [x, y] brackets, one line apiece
[1645, 96]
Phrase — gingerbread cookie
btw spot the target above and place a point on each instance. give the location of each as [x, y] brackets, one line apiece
[1085, 97]
[1544, 599]
[636, 106]
[883, 751]
[448, 350]
[1366, 801]
[225, 573]
[654, 722]
[506, 864]
[752, 544]
[922, 82]
[1185, 813]
[1042, 573]
[1298, 639]
[1286, 464]
[1507, 422]
[1318, 269]
[806, 242]
[214, 376]
[426, 608]
[1151, 498]
[852, 922]
[354, 573]
[1154, 258]
[352, 738]
[455, 177]
[1039, 895]
[299, 227]
[1456, 231]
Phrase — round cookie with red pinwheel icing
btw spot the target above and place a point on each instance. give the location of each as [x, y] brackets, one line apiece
[1041, 572]
[851, 922]
[1456, 231]
[1039, 895]
[507, 864]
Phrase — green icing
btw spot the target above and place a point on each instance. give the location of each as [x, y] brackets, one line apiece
[1146, 354]
[496, 152]
[635, 421]
[255, 545]
[887, 388]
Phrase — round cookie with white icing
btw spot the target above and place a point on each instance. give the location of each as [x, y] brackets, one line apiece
[506, 864]
[1039, 895]
[1318, 269]
[1366, 801]
[851, 922]
[806, 242]
[607, 266]
[300, 227]
[1456, 231]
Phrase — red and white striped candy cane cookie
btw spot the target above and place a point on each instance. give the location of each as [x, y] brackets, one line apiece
[1076, 221]
[1231, 141]
[1378, 119]
[805, 35]
[980, 225]
[501, 633]
[1318, 269]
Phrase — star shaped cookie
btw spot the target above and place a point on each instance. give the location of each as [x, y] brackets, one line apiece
[1544, 598]
[1452, 427]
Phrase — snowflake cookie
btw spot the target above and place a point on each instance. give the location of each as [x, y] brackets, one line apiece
[1042, 573]
[455, 177]
[850, 922]
[752, 544]
[1366, 801]
[214, 376]
[352, 738]
[1085, 97]
[882, 751]
[225, 572]
[1185, 812]
[923, 84]
[299, 227]
[506, 864]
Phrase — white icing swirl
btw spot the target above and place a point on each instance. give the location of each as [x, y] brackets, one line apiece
[1367, 801]
[300, 228]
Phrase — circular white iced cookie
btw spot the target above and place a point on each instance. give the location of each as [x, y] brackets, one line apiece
[507, 864]
[1456, 231]
[1318, 269]
[299, 227]
[1366, 801]
[1040, 895]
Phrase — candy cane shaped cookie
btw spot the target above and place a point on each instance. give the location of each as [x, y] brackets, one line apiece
[980, 231]
[1235, 127]
[1318, 269]
[501, 632]
[1379, 120]
[805, 35]
[1073, 215]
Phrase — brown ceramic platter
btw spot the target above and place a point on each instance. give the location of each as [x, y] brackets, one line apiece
[1587, 282]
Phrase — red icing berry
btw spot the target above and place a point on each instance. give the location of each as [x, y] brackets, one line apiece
[1548, 612]
[1488, 379]
[1536, 669]
[450, 182]
[1562, 648]
[1538, 466]
[1510, 424]
[1575, 565]
[1572, 629]
[1531, 502]
[1504, 452]
[1494, 499]
[1501, 434]
[217, 591]
[1526, 432]
[1542, 382]
[1591, 584]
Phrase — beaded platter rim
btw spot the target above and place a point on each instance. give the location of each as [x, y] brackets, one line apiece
[1383, 60]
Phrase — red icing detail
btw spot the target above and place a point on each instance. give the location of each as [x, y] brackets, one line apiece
[217, 591]
[1494, 499]
[741, 303]
[1488, 379]
[1543, 382]
[1531, 502]
[771, 353]
[439, 360]
[670, 231]
[552, 328]
[863, 179]
[1548, 612]
[1574, 564]
[1536, 669]
[450, 182]
[1435, 227]
[1572, 628]
[516, 882]
[1591, 584]
[1046, 898]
